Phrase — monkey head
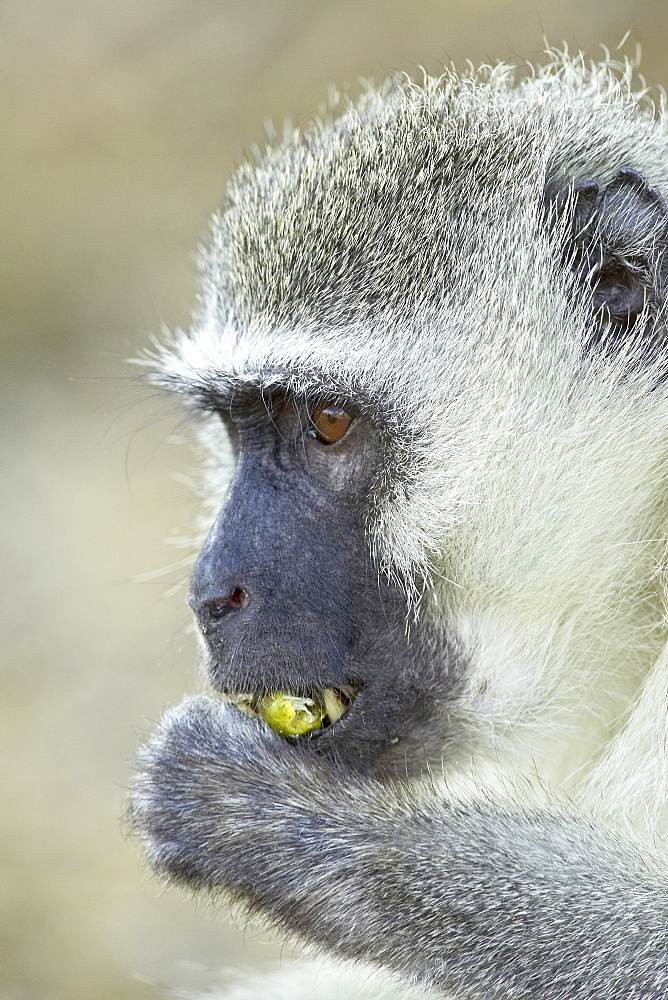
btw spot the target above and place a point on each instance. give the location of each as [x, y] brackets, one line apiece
[427, 355]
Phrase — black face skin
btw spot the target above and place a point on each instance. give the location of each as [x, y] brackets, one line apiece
[287, 597]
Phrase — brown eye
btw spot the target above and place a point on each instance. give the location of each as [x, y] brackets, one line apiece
[330, 423]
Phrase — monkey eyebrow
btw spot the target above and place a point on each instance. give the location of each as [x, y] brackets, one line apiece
[213, 390]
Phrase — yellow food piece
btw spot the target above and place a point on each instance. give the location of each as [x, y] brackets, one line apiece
[289, 714]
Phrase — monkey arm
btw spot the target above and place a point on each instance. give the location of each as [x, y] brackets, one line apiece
[476, 898]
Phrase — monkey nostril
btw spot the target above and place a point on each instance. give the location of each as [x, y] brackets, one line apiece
[217, 607]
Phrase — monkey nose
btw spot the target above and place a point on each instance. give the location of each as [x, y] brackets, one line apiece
[213, 608]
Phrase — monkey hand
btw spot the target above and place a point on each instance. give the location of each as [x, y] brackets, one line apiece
[382, 873]
[223, 803]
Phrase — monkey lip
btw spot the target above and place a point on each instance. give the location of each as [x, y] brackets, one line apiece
[295, 715]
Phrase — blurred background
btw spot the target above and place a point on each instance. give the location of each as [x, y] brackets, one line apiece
[121, 120]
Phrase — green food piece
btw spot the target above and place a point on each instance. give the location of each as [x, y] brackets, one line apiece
[289, 714]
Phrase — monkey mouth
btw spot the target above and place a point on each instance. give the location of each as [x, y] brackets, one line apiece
[296, 715]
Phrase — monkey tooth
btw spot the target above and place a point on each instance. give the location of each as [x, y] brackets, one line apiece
[333, 705]
[295, 715]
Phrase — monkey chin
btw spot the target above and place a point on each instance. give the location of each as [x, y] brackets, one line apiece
[296, 715]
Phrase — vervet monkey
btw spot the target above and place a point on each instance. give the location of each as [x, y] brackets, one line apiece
[432, 344]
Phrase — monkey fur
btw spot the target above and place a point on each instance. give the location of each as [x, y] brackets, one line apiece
[470, 274]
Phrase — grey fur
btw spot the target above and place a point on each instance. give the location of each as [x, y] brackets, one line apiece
[415, 254]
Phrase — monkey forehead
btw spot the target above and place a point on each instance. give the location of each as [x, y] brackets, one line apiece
[410, 229]
[418, 195]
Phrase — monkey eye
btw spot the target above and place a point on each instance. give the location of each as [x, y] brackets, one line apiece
[329, 424]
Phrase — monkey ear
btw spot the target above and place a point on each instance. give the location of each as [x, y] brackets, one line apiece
[618, 241]
[631, 227]
[631, 212]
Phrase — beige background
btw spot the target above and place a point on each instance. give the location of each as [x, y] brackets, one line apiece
[121, 120]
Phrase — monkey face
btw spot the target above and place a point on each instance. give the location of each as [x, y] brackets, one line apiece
[286, 593]
[433, 387]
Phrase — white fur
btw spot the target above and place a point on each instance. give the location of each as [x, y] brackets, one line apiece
[303, 981]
